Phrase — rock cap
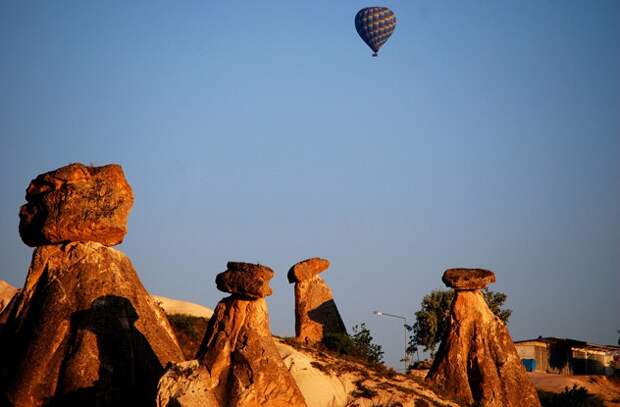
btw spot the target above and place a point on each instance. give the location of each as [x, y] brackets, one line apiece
[306, 269]
[256, 269]
[76, 203]
[245, 279]
[467, 279]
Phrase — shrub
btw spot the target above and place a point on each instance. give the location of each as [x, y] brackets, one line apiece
[189, 331]
[363, 390]
[575, 397]
[359, 345]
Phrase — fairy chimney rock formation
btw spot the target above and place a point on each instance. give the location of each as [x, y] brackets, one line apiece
[76, 203]
[316, 313]
[238, 362]
[477, 361]
[82, 330]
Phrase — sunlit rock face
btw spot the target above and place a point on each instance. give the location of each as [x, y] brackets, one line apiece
[76, 203]
[238, 363]
[316, 313]
[246, 280]
[467, 279]
[82, 331]
[477, 361]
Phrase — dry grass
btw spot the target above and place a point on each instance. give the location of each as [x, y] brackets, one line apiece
[189, 331]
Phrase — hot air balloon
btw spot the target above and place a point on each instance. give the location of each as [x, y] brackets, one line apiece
[375, 25]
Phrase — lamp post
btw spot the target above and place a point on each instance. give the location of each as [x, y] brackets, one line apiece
[385, 314]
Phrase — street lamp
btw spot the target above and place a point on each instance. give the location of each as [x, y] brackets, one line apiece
[385, 314]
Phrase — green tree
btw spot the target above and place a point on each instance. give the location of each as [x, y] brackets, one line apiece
[363, 342]
[433, 317]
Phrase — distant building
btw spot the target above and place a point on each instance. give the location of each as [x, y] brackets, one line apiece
[568, 356]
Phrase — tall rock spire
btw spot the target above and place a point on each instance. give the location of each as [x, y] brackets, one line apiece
[82, 330]
[316, 313]
[238, 363]
[477, 361]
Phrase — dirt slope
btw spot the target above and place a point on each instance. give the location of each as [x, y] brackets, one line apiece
[329, 381]
[607, 389]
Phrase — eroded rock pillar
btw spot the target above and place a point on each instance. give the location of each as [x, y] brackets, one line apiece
[83, 330]
[316, 313]
[477, 361]
[238, 363]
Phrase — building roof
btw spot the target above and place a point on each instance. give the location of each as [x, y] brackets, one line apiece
[572, 343]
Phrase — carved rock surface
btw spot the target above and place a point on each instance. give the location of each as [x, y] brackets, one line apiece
[477, 361]
[83, 331]
[238, 363]
[245, 279]
[306, 269]
[76, 203]
[468, 279]
[316, 313]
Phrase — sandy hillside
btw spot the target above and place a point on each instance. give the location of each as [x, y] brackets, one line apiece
[607, 389]
[329, 381]
[172, 306]
[7, 291]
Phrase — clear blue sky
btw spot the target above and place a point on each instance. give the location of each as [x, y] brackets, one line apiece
[486, 134]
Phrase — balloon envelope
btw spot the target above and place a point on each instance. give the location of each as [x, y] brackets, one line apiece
[375, 25]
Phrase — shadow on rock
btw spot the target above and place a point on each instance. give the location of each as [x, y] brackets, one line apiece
[128, 368]
[328, 316]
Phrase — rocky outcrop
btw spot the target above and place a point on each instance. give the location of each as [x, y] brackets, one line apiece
[238, 363]
[82, 330]
[477, 361]
[316, 313]
[76, 203]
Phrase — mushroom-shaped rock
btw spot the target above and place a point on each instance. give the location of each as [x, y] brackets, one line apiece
[306, 269]
[76, 203]
[238, 362]
[246, 280]
[477, 361]
[316, 313]
[83, 331]
[468, 279]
